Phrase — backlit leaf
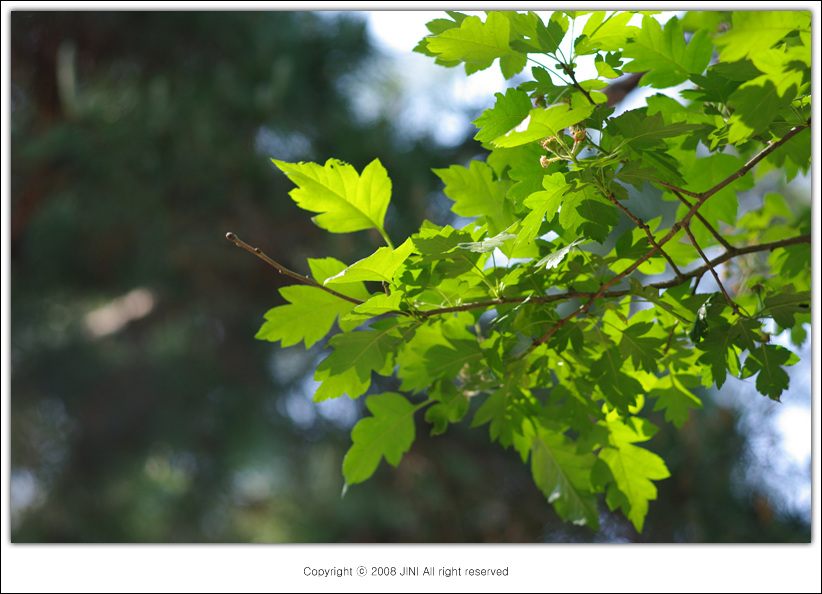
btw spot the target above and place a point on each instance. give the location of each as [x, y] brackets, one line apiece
[387, 434]
[348, 202]
[564, 476]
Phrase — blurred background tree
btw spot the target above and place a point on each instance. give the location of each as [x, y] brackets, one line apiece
[142, 408]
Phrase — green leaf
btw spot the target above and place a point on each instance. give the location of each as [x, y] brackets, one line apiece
[478, 44]
[436, 244]
[754, 32]
[722, 344]
[553, 259]
[756, 104]
[451, 407]
[541, 203]
[784, 305]
[526, 170]
[348, 202]
[767, 360]
[664, 54]
[619, 388]
[379, 266]
[564, 476]
[675, 398]
[363, 351]
[307, 317]
[541, 123]
[310, 312]
[439, 349]
[634, 173]
[705, 173]
[334, 385]
[610, 35]
[377, 305]
[389, 434]
[642, 349]
[633, 468]
[642, 131]
[550, 36]
[476, 194]
[600, 216]
[501, 407]
[508, 111]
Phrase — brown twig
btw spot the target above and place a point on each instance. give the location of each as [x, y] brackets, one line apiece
[641, 224]
[570, 72]
[701, 197]
[713, 270]
[283, 270]
[702, 220]
[695, 273]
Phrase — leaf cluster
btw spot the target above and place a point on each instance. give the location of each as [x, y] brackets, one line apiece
[562, 315]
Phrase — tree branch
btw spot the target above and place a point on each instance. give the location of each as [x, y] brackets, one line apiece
[641, 224]
[713, 271]
[756, 159]
[283, 270]
[702, 220]
[701, 197]
[695, 273]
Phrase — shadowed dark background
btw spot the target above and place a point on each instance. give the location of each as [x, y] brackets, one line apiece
[142, 408]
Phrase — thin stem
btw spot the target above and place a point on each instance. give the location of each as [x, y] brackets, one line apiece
[680, 190]
[702, 220]
[757, 158]
[696, 273]
[701, 197]
[570, 72]
[283, 270]
[641, 224]
[713, 271]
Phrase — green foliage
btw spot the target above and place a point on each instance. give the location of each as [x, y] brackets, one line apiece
[586, 321]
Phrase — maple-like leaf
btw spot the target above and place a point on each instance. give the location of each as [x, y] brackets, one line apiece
[508, 111]
[544, 122]
[675, 398]
[609, 34]
[784, 305]
[664, 55]
[564, 476]
[348, 201]
[478, 44]
[767, 360]
[379, 266]
[450, 407]
[633, 468]
[389, 433]
[477, 194]
[311, 312]
[362, 351]
[541, 203]
[754, 32]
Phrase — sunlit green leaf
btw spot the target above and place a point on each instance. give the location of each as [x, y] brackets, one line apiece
[664, 54]
[379, 266]
[347, 201]
[509, 110]
[541, 123]
[387, 434]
